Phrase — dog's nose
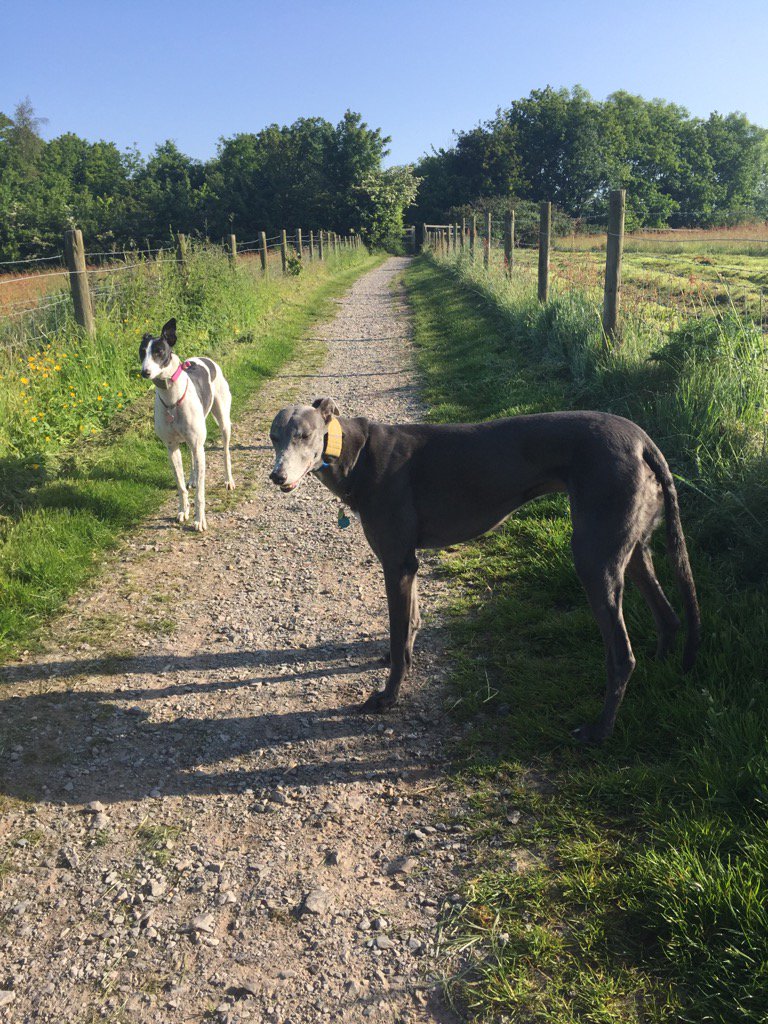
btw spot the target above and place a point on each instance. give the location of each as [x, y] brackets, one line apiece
[145, 373]
[278, 478]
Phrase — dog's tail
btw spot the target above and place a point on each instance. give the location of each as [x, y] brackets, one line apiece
[678, 553]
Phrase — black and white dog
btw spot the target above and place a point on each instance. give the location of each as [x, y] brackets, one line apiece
[184, 395]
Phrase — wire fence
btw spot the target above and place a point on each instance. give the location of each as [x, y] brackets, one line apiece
[665, 272]
[34, 291]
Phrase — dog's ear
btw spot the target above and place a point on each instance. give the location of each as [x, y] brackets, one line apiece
[327, 408]
[168, 332]
[146, 338]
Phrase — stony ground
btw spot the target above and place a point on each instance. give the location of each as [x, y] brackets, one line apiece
[198, 822]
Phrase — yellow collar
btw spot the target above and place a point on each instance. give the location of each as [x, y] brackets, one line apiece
[333, 440]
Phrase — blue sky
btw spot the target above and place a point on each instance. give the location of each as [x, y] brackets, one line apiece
[140, 72]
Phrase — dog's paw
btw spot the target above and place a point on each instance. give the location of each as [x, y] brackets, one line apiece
[191, 484]
[378, 702]
[230, 485]
[182, 517]
[200, 524]
[589, 734]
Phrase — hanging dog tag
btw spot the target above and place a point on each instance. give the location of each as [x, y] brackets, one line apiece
[344, 519]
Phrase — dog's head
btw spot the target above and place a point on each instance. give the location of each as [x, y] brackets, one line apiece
[298, 437]
[155, 353]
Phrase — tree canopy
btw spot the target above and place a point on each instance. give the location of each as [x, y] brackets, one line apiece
[555, 144]
[562, 145]
[310, 174]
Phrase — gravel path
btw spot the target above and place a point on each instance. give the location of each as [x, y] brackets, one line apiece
[197, 821]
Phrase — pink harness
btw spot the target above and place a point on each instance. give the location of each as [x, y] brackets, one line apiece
[174, 377]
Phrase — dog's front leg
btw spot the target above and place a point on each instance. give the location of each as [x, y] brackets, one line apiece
[400, 579]
[174, 454]
[200, 523]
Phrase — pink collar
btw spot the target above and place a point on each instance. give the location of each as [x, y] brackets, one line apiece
[179, 370]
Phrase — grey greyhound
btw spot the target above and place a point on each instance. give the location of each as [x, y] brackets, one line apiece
[430, 486]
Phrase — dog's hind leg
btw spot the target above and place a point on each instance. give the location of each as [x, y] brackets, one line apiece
[400, 581]
[641, 572]
[603, 581]
[174, 454]
[415, 620]
[222, 404]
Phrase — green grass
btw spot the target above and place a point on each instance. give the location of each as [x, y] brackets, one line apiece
[648, 897]
[68, 495]
[660, 285]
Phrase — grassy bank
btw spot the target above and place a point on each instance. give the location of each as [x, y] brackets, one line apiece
[624, 884]
[79, 462]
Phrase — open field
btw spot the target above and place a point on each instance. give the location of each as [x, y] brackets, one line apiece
[626, 884]
[687, 279]
[740, 239]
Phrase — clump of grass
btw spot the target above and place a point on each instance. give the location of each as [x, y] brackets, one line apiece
[157, 840]
[647, 901]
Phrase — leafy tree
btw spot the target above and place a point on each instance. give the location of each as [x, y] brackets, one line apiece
[564, 146]
[382, 199]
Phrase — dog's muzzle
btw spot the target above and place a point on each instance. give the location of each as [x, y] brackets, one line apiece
[281, 480]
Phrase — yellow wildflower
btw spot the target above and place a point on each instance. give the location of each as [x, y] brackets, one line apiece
[24, 380]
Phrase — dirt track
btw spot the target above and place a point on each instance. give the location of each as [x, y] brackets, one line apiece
[256, 849]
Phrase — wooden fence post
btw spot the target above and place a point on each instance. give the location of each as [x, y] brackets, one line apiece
[298, 242]
[74, 254]
[545, 228]
[232, 248]
[472, 236]
[614, 251]
[263, 252]
[487, 249]
[311, 245]
[284, 250]
[182, 250]
[320, 246]
[509, 241]
[334, 243]
[462, 237]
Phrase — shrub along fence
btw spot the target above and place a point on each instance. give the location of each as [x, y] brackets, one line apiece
[28, 288]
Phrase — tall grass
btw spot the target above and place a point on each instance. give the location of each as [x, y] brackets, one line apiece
[79, 462]
[646, 896]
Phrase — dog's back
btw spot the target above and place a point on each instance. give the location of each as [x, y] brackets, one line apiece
[203, 373]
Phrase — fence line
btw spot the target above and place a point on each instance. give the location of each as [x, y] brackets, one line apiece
[685, 291]
[81, 277]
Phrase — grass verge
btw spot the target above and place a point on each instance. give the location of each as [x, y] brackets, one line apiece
[67, 496]
[629, 883]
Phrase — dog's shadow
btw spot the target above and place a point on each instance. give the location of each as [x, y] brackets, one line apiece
[74, 745]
